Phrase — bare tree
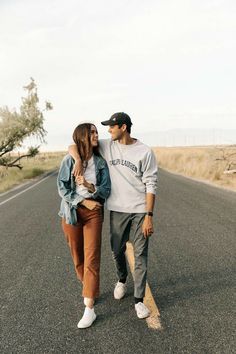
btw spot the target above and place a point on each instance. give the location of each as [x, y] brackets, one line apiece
[15, 127]
[229, 158]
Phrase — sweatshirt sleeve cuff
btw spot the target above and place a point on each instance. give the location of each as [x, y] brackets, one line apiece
[151, 190]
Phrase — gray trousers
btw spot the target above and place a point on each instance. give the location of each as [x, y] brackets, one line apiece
[128, 227]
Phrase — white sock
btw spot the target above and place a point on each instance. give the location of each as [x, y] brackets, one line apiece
[86, 300]
[88, 309]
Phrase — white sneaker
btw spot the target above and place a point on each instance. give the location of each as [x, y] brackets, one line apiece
[141, 310]
[120, 290]
[88, 318]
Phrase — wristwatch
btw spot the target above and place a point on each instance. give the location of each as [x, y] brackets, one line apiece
[149, 213]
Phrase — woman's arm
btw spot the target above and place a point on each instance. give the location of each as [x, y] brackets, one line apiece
[104, 188]
[64, 183]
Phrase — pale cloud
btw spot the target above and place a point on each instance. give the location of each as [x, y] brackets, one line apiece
[172, 62]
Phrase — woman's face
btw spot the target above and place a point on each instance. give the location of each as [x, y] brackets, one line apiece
[94, 136]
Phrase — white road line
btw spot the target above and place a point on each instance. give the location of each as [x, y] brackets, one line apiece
[153, 321]
[25, 190]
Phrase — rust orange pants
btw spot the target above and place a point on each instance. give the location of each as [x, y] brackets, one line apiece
[84, 241]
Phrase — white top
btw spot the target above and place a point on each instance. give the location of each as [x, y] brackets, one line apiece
[133, 172]
[90, 176]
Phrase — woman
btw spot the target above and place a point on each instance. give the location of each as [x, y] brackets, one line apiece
[82, 213]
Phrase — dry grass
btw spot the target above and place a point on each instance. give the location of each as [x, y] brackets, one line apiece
[199, 162]
[32, 167]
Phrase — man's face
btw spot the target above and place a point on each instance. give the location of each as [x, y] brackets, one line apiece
[116, 132]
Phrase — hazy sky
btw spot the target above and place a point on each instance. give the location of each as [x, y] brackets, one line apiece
[167, 63]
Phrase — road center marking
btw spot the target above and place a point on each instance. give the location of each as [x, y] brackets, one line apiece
[153, 321]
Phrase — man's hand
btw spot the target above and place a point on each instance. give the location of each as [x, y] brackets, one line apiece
[147, 227]
[91, 204]
[78, 168]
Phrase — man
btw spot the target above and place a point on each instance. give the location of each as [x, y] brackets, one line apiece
[133, 172]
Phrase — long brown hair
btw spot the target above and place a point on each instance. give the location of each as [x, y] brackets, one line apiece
[81, 137]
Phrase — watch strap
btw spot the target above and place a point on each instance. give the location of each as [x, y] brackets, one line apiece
[149, 213]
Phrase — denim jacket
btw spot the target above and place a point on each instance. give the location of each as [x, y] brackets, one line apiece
[67, 187]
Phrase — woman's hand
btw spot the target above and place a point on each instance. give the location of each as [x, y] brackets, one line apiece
[81, 180]
[91, 204]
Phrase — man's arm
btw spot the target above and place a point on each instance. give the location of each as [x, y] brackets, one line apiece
[147, 226]
[78, 168]
[150, 180]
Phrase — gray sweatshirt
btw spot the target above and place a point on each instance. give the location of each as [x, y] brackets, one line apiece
[133, 172]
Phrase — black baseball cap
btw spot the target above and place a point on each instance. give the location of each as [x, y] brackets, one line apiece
[118, 118]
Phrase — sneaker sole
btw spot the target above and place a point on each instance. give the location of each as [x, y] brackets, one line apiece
[142, 317]
[119, 298]
[82, 327]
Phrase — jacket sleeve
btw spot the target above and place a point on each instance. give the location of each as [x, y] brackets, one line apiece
[104, 188]
[66, 192]
[149, 169]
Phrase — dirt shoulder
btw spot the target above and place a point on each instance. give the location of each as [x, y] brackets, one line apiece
[206, 164]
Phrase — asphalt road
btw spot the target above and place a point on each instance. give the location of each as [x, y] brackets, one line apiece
[191, 275]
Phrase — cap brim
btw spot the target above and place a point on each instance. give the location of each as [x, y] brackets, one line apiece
[108, 122]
